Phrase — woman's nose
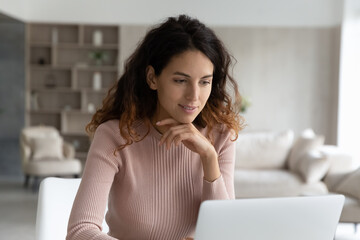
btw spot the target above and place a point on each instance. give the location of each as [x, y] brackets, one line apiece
[192, 92]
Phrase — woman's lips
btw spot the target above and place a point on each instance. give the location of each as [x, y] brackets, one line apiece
[188, 109]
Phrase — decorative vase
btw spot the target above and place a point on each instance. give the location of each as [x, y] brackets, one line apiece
[97, 38]
[91, 108]
[34, 101]
[97, 81]
[54, 36]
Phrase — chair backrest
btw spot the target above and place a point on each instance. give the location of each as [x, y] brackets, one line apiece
[33, 132]
[56, 197]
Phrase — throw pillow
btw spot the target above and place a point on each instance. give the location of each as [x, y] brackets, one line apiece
[301, 146]
[263, 150]
[47, 148]
[313, 166]
[350, 185]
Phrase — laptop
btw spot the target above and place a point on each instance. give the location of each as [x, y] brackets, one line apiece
[287, 218]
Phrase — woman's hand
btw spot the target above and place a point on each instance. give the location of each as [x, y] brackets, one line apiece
[188, 134]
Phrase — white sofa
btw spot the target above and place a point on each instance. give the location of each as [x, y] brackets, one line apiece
[276, 164]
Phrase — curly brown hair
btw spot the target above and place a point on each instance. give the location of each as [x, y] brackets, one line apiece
[131, 98]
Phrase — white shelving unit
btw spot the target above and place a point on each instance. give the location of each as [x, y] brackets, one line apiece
[60, 72]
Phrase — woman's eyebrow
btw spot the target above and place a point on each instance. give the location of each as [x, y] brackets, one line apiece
[188, 76]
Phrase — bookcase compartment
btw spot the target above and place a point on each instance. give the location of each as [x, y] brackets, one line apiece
[40, 56]
[110, 35]
[45, 119]
[74, 122]
[58, 100]
[86, 77]
[50, 78]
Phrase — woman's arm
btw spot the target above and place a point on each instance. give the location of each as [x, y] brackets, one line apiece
[90, 203]
[217, 161]
[223, 186]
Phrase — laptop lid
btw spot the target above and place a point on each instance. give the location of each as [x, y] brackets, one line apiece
[295, 218]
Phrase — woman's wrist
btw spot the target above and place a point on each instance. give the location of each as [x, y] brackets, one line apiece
[210, 165]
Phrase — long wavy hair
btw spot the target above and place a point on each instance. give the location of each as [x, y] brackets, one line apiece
[131, 98]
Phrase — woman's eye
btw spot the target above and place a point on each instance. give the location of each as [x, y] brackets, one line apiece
[179, 80]
[205, 82]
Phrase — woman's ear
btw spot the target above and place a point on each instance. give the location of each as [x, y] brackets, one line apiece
[151, 77]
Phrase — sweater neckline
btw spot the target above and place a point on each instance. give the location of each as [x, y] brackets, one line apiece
[155, 132]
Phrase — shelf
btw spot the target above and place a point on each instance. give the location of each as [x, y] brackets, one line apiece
[73, 45]
[41, 44]
[98, 68]
[86, 46]
[49, 67]
[55, 89]
[60, 76]
[44, 111]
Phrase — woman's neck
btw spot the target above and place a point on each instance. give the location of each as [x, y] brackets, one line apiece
[160, 129]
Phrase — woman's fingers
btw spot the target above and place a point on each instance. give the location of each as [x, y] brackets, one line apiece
[185, 133]
[174, 133]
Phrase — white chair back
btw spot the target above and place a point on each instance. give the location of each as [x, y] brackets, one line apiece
[56, 197]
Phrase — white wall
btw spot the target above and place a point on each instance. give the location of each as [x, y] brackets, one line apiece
[213, 12]
[14, 8]
[349, 82]
[290, 76]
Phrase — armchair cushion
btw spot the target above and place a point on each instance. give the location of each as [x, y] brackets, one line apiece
[45, 148]
[53, 167]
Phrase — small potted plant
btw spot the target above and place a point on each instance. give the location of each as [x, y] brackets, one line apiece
[245, 104]
[98, 56]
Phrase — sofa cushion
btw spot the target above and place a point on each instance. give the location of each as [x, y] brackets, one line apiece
[313, 166]
[341, 162]
[45, 148]
[350, 185]
[273, 183]
[302, 145]
[263, 150]
[351, 210]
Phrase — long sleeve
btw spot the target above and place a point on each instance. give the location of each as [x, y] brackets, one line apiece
[90, 203]
[222, 187]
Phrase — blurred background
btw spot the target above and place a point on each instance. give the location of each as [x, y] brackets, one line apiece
[297, 65]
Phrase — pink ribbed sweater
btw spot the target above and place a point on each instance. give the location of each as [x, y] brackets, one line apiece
[152, 193]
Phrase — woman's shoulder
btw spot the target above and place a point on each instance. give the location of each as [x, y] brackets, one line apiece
[222, 134]
[222, 130]
[110, 125]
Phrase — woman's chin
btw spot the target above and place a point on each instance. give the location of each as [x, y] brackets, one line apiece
[185, 120]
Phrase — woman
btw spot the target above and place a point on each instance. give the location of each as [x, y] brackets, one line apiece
[163, 139]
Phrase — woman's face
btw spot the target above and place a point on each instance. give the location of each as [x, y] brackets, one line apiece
[183, 87]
